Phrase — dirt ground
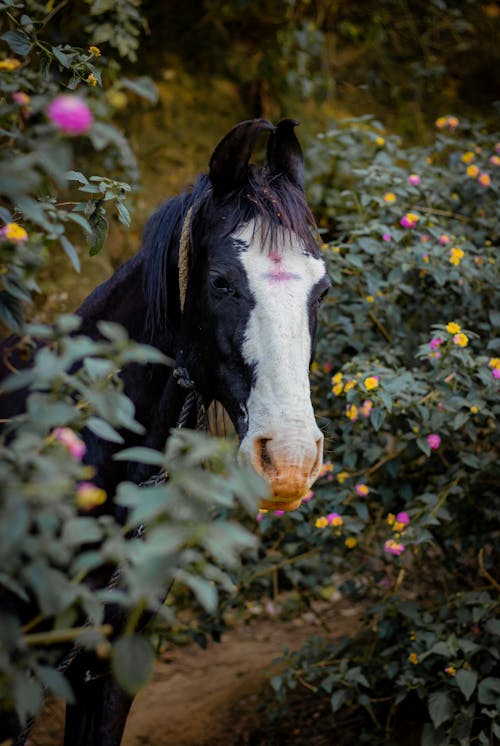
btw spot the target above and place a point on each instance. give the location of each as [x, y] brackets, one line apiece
[211, 697]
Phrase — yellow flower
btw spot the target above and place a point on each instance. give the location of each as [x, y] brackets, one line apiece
[342, 476]
[453, 122]
[337, 389]
[349, 385]
[95, 51]
[494, 362]
[321, 522]
[92, 80]
[462, 340]
[413, 658]
[441, 122]
[89, 496]
[9, 64]
[371, 383]
[337, 378]
[484, 179]
[391, 519]
[14, 232]
[351, 542]
[352, 412]
[314, 366]
[389, 197]
[398, 526]
[456, 256]
[453, 328]
[380, 141]
[472, 171]
[450, 670]
[336, 249]
[369, 298]
[474, 409]
[118, 99]
[426, 258]
[468, 157]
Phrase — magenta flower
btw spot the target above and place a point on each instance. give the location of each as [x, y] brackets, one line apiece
[434, 441]
[496, 373]
[413, 179]
[394, 547]
[279, 512]
[436, 343]
[308, 497]
[334, 519]
[366, 408]
[386, 237]
[403, 518]
[70, 114]
[444, 239]
[70, 439]
[409, 220]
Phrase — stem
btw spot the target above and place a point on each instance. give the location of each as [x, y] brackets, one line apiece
[55, 636]
[484, 572]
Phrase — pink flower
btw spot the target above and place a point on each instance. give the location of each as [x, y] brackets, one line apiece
[362, 490]
[327, 367]
[436, 343]
[366, 408]
[434, 441]
[386, 237]
[496, 373]
[413, 179]
[403, 518]
[70, 114]
[409, 220]
[70, 439]
[279, 512]
[444, 239]
[394, 547]
[308, 497]
[334, 519]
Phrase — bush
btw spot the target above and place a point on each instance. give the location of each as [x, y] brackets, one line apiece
[405, 516]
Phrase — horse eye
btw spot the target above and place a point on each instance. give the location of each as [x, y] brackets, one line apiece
[219, 283]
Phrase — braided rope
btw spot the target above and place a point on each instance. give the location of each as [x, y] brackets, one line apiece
[183, 261]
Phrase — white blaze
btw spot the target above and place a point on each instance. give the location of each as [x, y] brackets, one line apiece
[278, 343]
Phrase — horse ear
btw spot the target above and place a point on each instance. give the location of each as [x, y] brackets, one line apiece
[229, 161]
[284, 154]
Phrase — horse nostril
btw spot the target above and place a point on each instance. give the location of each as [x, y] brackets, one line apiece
[262, 458]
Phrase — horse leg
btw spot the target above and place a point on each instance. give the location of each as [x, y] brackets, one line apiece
[99, 714]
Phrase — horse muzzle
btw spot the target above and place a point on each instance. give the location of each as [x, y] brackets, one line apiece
[290, 465]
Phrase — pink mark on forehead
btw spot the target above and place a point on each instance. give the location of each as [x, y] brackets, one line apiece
[277, 274]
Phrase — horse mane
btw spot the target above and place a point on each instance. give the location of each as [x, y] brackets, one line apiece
[278, 204]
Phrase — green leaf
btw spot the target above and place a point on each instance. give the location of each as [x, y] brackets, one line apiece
[132, 662]
[63, 59]
[205, 592]
[440, 707]
[103, 430]
[493, 626]
[28, 696]
[143, 87]
[81, 530]
[488, 692]
[11, 311]
[466, 681]
[337, 699]
[141, 455]
[100, 227]
[70, 252]
[56, 682]
[18, 41]
[77, 176]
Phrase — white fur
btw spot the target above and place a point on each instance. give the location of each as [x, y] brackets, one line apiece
[278, 343]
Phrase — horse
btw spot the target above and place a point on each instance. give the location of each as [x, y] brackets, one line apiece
[228, 282]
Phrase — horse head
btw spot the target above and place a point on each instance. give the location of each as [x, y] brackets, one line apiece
[254, 284]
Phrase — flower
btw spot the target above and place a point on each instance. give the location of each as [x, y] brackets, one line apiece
[95, 51]
[369, 298]
[484, 179]
[349, 385]
[70, 114]
[342, 476]
[468, 157]
[450, 670]
[389, 198]
[441, 122]
[380, 141]
[434, 441]
[462, 340]
[279, 513]
[393, 547]
[352, 412]
[337, 389]
[366, 408]
[321, 522]
[401, 521]
[71, 441]
[413, 658]
[413, 180]
[21, 98]
[351, 542]
[386, 237]
[327, 367]
[495, 373]
[92, 80]
[308, 497]
[494, 362]
[472, 171]
[435, 343]
[9, 64]
[426, 258]
[327, 468]
[474, 409]
[444, 239]
[495, 160]
[89, 496]
[409, 220]
[456, 256]
[371, 383]
[14, 232]
[362, 490]
[334, 519]
[453, 122]
[453, 328]
[391, 519]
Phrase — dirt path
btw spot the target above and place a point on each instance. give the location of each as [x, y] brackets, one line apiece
[209, 697]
